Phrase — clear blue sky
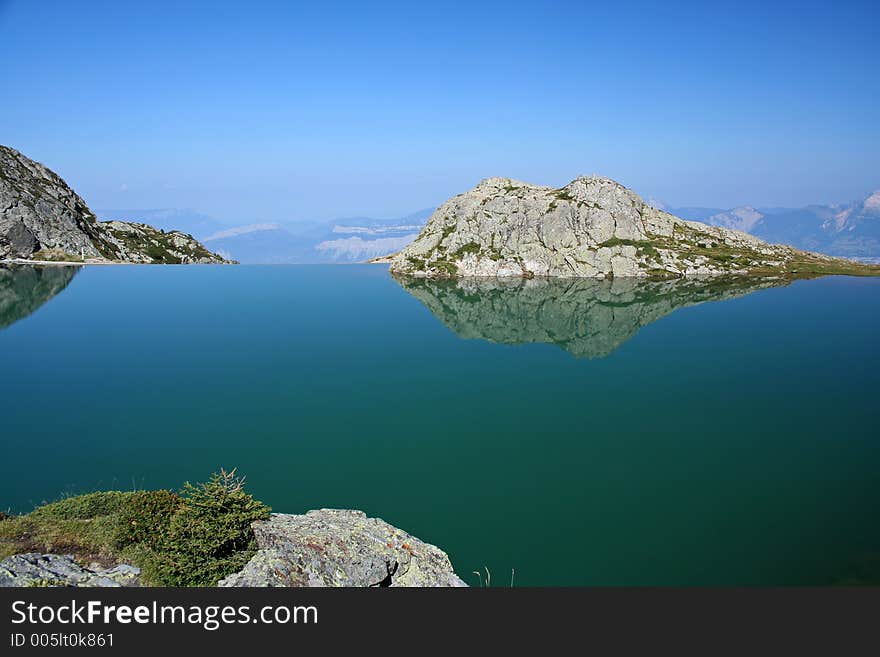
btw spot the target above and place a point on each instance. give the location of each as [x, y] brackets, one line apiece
[291, 111]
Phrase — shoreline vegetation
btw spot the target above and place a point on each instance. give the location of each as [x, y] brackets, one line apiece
[193, 537]
[209, 534]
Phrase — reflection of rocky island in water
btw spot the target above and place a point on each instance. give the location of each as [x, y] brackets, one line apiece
[24, 288]
[587, 317]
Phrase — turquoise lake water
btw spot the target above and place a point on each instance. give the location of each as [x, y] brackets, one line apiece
[581, 433]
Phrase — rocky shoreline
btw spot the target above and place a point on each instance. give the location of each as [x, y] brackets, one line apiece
[321, 548]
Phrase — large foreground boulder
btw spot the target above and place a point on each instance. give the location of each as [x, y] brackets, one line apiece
[332, 547]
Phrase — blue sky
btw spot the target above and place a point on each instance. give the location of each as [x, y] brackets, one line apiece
[289, 111]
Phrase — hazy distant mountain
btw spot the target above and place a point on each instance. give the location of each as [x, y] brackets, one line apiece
[851, 230]
[348, 240]
[744, 219]
[358, 239]
[695, 213]
[260, 244]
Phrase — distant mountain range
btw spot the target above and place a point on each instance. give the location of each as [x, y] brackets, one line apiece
[348, 240]
[850, 230]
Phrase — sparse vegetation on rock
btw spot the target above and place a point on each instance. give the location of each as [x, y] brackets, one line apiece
[189, 539]
[591, 228]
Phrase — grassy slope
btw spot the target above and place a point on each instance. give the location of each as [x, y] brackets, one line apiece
[191, 539]
[82, 526]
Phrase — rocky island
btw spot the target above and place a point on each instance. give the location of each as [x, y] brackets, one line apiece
[43, 219]
[593, 227]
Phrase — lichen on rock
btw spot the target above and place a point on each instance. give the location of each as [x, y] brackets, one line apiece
[335, 547]
[44, 570]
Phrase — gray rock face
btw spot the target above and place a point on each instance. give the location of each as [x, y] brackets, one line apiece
[588, 318]
[35, 569]
[331, 547]
[38, 210]
[593, 227]
[41, 217]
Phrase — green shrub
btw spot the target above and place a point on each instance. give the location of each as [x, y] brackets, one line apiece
[462, 251]
[210, 535]
[144, 518]
[190, 539]
[83, 507]
[563, 195]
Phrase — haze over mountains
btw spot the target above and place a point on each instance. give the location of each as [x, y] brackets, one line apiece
[341, 241]
[850, 230]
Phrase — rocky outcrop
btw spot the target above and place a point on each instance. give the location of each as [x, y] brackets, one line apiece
[593, 228]
[35, 569]
[332, 547]
[38, 210]
[141, 243]
[42, 218]
[24, 288]
[588, 318]
[328, 547]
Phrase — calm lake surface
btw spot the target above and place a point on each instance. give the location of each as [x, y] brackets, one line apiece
[583, 433]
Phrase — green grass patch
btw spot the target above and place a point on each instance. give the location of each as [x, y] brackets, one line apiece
[445, 267]
[462, 251]
[55, 255]
[416, 263]
[644, 247]
[563, 195]
[661, 274]
[83, 507]
[191, 538]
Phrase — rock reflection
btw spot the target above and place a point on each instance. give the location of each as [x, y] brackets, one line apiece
[589, 318]
[24, 288]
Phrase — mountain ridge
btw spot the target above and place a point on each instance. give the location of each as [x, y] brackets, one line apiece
[849, 229]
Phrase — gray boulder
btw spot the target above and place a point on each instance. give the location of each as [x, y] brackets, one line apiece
[34, 569]
[332, 547]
